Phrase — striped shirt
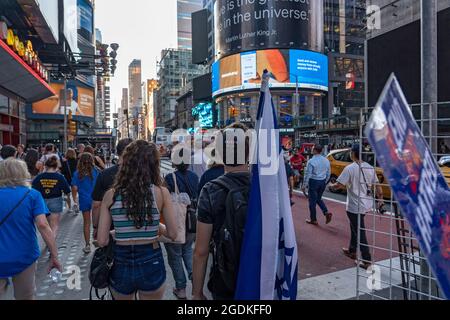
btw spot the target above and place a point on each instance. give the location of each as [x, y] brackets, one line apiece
[125, 229]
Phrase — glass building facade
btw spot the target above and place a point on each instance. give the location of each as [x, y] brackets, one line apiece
[184, 21]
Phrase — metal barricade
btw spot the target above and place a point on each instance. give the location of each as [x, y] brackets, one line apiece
[398, 271]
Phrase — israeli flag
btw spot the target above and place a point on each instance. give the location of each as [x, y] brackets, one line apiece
[269, 258]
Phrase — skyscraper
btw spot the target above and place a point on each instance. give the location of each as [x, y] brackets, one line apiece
[345, 34]
[184, 11]
[135, 96]
[134, 83]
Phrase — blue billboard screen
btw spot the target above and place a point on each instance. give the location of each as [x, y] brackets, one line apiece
[310, 67]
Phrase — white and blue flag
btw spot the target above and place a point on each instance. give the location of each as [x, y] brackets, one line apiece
[269, 258]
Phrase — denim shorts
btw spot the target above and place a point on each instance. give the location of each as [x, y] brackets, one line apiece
[137, 268]
[54, 205]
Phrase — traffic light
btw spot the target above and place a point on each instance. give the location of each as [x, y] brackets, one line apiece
[233, 112]
[72, 128]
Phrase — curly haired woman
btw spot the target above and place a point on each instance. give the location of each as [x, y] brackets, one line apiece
[135, 206]
[83, 182]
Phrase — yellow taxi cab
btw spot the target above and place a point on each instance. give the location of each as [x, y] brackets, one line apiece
[339, 159]
[444, 164]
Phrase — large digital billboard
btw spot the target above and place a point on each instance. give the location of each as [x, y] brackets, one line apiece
[80, 101]
[244, 25]
[286, 67]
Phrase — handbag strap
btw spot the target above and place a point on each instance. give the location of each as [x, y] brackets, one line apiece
[364, 177]
[14, 209]
[186, 182]
[174, 176]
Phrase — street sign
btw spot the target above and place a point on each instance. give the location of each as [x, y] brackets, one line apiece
[415, 177]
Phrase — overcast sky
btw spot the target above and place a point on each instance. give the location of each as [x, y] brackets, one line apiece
[142, 28]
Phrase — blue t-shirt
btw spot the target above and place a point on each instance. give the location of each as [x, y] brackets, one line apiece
[210, 175]
[85, 186]
[19, 246]
[51, 185]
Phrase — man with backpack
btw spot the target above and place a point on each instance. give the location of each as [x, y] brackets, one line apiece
[222, 213]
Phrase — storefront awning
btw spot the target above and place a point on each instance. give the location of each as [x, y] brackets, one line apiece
[19, 78]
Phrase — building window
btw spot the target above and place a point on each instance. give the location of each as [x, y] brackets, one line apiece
[286, 111]
[4, 104]
[246, 104]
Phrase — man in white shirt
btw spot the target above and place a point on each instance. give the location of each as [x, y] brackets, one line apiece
[359, 179]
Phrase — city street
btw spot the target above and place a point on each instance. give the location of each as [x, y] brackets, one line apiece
[324, 272]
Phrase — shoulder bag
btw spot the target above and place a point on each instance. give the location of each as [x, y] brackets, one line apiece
[180, 209]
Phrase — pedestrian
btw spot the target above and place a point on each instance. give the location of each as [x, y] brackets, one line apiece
[7, 152]
[83, 182]
[290, 179]
[80, 149]
[297, 163]
[52, 186]
[177, 254]
[136, 205]
[97, 160]
[199, 159]
[216, 210]
[105, 182]
[359, 179]
[31, 159]
[22, 210]
[215, 170]
[50, 151]
[318, 172]
[68, 168]
[20, 152]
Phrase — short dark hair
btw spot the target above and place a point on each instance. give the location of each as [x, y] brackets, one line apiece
[318, 148]
[52, 162]
[49, 147]
[224, 145]
[356, 151]
[122, 145]
[8, 151]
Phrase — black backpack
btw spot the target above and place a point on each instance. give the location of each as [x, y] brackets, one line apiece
[226, 247]
[100, 269]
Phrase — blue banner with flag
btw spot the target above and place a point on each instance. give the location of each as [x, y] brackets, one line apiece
[416, 180]
[269, 257]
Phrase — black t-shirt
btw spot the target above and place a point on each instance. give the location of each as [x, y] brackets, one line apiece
[51, 185]
[104, 182]
[211, 210]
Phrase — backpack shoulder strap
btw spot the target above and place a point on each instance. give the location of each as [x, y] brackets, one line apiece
[225, 183]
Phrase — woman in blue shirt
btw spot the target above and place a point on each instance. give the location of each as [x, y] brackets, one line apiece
[21, 211]
[52, 185]
[83, 182]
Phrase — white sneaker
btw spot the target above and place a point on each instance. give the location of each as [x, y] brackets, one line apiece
[87, 249]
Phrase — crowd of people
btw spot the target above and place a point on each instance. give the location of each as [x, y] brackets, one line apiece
[130, 207]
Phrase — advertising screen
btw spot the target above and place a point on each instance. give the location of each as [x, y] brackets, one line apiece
[244, 25]
[244, 71]
[85, 16]
[79, 100]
